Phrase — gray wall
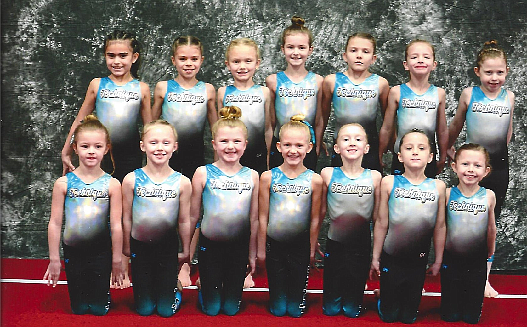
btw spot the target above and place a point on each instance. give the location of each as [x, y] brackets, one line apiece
[51, 49]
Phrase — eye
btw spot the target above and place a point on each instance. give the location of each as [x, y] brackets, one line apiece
[478, 166]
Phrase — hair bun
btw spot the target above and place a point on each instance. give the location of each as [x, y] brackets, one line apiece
[230, 112]
[297, 20]
[90, 117]
[298, 117]
[491, 44]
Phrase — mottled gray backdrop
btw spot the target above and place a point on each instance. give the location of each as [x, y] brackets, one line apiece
[51, 49]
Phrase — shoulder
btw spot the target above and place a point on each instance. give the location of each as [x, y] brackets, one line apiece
[329, 81]
[270, 80]
[441, 92]
[376, 177]
[467, 92]
[447, 193]
[162, 85]
[387, 183]
[265, 90]
[266, 176]
[222, 89]
[491, 195]
[511, 96]
[316, 178]
[209, 87]
[115, 185]
[129, 180]
[441, 186]
[383, 81]
[326, 174]
[395, 91]
[184, 182]
[94, 84]
[319, 79]
[61, 183]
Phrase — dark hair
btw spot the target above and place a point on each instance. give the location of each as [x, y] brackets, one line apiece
[297, 26]
[490, 49]
[415, 130]
[92, 123]
[474, 147]
[119, 35]
[186, 40]
[365, 36]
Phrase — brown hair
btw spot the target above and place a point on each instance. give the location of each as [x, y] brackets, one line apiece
[419, 41]
[474, 147]
[296, 121]
[153, 123]
[229, 117]
[366, 36]
[356, 125]
[119, 35]
[242, 41]
[415, 130]
[490, 49]
[188, 40]
[297, 26]
[92, 123]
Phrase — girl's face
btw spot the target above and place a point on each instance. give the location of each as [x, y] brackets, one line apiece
[296, 49]
[470, 167]
[420, 59]
[359, 54]
[351, 143]
[90, 146]
[158, 143]
[229, 143]
[492, 73]
[187, 59]
[294, 145]
[415, 151]
[243, 62]
[119, 57]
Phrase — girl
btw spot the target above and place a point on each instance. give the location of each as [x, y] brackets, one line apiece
[119, 100]
[243, 59]
[352, 198]
[227, 240]
[90, 200]
[355, 95]
[416, 104]
[289, 209]
[488, 111]
[470, 237]
[411, 210]
[186, 103]
[156, 200]
[295, 90]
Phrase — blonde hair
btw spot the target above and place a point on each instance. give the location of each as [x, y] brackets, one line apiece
[242, 41]
[229, 117]
[350, 125]
[419, 41]
[297, 26]
[295, 122]
[490, 49]
[159, 122]
[92, 123]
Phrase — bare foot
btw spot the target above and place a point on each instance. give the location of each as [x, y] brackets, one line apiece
[423, 291]
[198, 283]
[126, 282]
[366, 287]
[248, 282]
[490, 291]
[184, 275]
[377, 293]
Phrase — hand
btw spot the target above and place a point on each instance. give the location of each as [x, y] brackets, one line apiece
[67, 166]
[320, 253]
[434, 269]
[117, 273]
[375, 271]
[325, 148]
[451, 153]
[52, 273]
[440, 165]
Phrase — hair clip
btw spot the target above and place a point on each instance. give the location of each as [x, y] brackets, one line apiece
[311, 131]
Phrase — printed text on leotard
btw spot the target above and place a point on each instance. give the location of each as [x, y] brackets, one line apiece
[414, 194]
[425, 105]
[243, 98]
[489, 108]
[344, 92]
[153, 192]
[467, 207]
[88, 193]
[119, 94]
[360, 190]
[295, 92]
[290, 188]
[185, 97]
[230, 185]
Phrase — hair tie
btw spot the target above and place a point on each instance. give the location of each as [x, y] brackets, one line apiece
[311, 131]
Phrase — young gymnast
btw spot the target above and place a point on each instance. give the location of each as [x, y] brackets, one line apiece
[296, 90]
[119, 100]
[227, 241]
[243, 59]
[156, 204]
[289, 213]
[416, 104]
[356, 94]
[352, 198]
[470, 236]
[411, 210]
[90, 201]
[488, 110]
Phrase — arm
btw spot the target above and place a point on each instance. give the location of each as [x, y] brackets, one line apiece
[54, 228]
[185, 233]
[268, 106]
[326, 177]
[319, 117]
[221, 95]
[381, 225]
[441, 131]
[509, 132]
[263, 216]
[328, 87]
[87, 108]
[198, 183]
[439, 230]
[387, 129]
[459, 118]
[491, 229]
[254, 223]
[376, 177]
[384, 90]
[316, 199]
[212, 113]
[146, 110]
[116, 227]
[128, 198]
[270, 82]
[159, 97]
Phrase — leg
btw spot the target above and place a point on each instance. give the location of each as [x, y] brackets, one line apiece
[184, 273]
[333, 271]
[389, 301]
[276, 276]
[235, 268]
[98, 272]
[415, 279]
[74, 273]
[298, 273]
[357, 268]
[210, 271]
[450, 293]
[142, 271]
[168, 298]
[475, 287]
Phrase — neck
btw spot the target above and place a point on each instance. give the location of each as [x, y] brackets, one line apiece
[357, 76]
[468, 190]
[296, 73]
[490, 95]
[292, 171]
[243, 85]
[89, 174]
[229, 168]
[419, 84]
[186, 82]
[157, 172]
[414, 176]
[352, 168]
[121, 80]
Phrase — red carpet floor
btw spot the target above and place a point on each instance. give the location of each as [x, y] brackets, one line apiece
[40, 305]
